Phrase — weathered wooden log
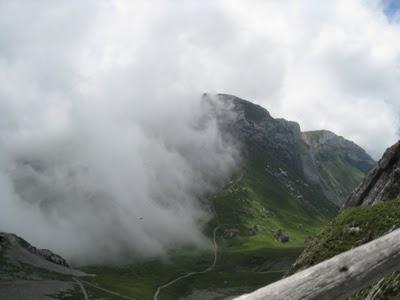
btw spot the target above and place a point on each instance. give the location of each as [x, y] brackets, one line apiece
[339, 277]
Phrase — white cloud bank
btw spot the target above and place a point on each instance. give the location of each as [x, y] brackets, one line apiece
[101, 124]
[336, 65]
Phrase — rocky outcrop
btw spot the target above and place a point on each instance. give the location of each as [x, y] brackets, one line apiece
[14, 240]
[49, 255]
[382, 183]
[253, 230]
[281, 236]
[18, 251]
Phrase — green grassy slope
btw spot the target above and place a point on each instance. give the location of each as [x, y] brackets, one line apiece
[263, 199]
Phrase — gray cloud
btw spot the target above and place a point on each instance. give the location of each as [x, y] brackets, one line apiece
[105, 182]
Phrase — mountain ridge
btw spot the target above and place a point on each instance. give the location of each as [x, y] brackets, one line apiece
[313, 155]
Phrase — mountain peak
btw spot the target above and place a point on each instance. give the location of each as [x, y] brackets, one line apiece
[246, 109]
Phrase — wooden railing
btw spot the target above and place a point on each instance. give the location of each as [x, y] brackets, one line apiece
[339, 277]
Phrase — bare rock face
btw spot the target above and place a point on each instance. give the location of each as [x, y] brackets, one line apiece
[254, 124]
[382, 182]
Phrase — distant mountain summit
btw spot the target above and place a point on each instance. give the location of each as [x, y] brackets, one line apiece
[333, 162]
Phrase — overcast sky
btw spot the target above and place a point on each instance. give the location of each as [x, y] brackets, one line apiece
[326, 64]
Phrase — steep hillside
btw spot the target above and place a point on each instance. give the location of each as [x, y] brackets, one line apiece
[335, 163]
[270, 192]
[372, 211]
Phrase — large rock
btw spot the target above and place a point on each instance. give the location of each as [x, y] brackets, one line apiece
[281, 236]
[382, 183]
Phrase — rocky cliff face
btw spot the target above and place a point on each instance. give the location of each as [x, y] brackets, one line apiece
[253, 123]
[319, 158]
[382, 183]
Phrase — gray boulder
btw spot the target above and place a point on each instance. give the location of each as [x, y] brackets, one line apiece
[281, 236]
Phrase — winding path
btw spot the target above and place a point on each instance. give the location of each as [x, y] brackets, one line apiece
[209, 269]
[85, 295]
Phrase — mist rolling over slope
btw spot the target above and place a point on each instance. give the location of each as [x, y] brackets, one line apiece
[105, 146]
[106, 182]
[101, 157]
